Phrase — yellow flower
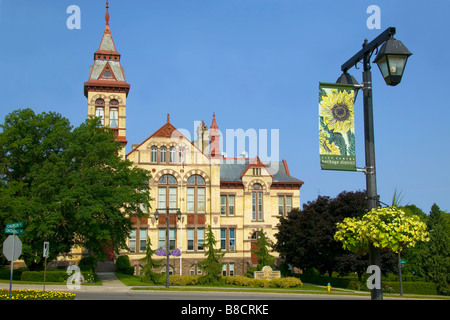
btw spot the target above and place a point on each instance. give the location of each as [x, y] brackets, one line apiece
[337, 110]
[325, 146]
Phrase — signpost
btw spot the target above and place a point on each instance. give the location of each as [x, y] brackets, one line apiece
[12, 247]
[45, 255]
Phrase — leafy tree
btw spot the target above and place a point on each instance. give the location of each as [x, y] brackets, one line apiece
[431, 260]
[305, 238]
[262, 251]
[211, 265]
[69, 187]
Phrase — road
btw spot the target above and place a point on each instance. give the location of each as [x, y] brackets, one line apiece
[203, 296]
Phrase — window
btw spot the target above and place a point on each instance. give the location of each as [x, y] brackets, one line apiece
[195, 198]
[195, 243]
[195, 270]
[200, 238]
[163, 270]
[284, 205]
[132, 241]
[162, 238]
[257, 203]
[172, 155]
[153, 154]
[190, 239]
[113, 118]
[113, 102]
[256, 171]
[227, 205]
[230, 267]
[181, 154]
[167, 192]
[142, 239]
[100, 110]
[163, 155]
[107, 75]
[228, 236]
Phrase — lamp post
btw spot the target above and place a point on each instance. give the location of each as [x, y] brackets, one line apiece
[391, 60]
[168, 211]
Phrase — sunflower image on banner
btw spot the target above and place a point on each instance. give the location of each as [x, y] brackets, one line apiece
[337, 127]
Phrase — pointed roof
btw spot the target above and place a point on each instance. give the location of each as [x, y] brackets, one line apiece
[107, 73]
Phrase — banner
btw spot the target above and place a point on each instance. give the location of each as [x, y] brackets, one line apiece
[337, 126]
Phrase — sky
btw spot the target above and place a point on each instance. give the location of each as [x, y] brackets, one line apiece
[257, 65]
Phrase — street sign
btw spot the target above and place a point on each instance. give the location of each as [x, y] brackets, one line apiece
[14, 225]
[10, 230]
[12, 248]
[46, 247]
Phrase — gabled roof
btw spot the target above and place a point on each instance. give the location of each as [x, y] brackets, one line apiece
[231, 170]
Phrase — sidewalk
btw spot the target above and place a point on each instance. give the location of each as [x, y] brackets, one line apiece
[109, 283]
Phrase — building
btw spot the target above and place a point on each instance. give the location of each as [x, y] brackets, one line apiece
[235, 196]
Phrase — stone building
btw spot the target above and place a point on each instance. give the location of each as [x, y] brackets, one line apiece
[235, 196]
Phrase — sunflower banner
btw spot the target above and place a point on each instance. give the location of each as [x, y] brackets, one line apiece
[337, 126]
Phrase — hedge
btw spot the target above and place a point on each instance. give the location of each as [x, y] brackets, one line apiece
[55, 276]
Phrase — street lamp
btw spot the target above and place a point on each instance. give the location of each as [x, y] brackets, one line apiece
[167, 212]
[391, 59]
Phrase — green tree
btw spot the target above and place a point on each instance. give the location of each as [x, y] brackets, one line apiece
[262, 251]
[150, 264]
[69, 187]
[432, 259]
[305, 238]
[211, 265]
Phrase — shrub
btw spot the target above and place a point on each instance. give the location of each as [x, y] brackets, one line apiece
[288, 282]
[123, 265]
[89, 261]
[178, 280]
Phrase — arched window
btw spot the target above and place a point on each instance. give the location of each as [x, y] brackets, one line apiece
[172, 155]
[167, 192]
[100, 110]
[113, 102]
[195, 200]
[154, 154]
[163, 154]
[257, 202]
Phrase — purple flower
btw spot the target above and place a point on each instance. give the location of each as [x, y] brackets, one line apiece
[175, 252]
[160, 252]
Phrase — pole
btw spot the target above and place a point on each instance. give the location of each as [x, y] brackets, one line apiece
[167, 248]
[400, 273]
[45, 270]
[12, 265]
[181, 223]
[371, 183]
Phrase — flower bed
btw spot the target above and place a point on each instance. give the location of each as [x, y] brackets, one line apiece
[36, 295]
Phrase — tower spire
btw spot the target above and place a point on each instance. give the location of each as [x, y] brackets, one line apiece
[107, 14]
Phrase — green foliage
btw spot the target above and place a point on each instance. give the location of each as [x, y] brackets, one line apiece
[68, 185]
[89, 261]
[386, 228]
[211, 265]
[150, 264]
[262, 251]
[289, 282]
[305, 237]
[54, 276]
[183, 280]
[123, 265]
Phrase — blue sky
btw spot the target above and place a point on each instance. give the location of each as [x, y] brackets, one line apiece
[256, 64]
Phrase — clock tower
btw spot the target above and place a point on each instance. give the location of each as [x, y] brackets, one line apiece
[106, 88]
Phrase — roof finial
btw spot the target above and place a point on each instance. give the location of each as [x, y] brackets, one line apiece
[168, 118]
[107, 13]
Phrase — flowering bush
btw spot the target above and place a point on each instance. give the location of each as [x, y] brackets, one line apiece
[162, 252]
[386, 228]
[36, 295]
